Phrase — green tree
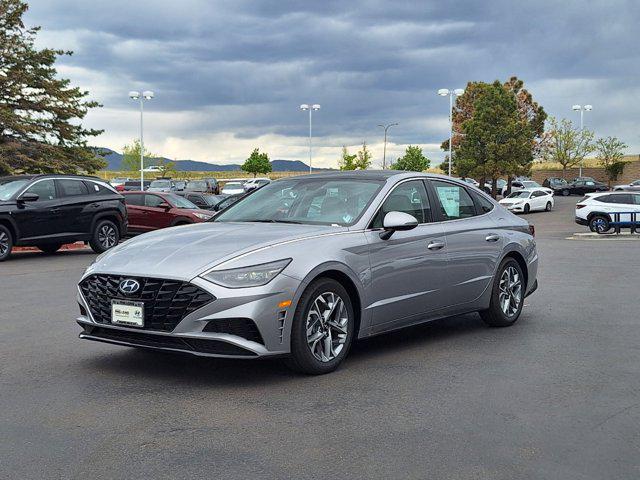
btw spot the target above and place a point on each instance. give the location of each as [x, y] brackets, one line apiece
[131, 157]
[347, 161]
[496, 140]
[363, 159]
[610, 152]
[257, 163]
[40, 114]
[167, 167]
[413, 160]
[567, 146]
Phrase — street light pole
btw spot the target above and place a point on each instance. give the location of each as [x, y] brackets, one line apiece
[384, 154]
[146, 95]
[582, 109]
[311, 108]
[443, 92]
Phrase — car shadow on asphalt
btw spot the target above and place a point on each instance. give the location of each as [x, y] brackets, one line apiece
[185, 369]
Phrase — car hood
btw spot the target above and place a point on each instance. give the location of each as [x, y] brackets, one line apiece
[185, 252]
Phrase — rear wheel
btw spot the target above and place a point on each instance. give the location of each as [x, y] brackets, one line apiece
[105, 236]
[599, 224]
[548, 207]
[49, 248]
[323, 328]
[565, 193]
[507, 296]
[6, 243]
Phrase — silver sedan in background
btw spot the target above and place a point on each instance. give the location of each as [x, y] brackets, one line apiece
[305, 265]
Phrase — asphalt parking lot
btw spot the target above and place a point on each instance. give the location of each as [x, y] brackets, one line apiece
[555, 396]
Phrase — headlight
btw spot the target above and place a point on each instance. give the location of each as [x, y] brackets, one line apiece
[202, 216]
[253, 276]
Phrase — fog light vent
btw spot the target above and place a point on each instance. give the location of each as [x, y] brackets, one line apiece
[281, 317]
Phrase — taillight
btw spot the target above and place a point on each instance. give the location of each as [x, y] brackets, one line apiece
[532, 230]
[578, 206]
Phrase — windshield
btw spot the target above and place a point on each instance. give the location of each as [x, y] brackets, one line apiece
[232, 185]
[197, 185]
[9, 187]
[160, 184]
[311, 201]
[519, 194]
[531, 184]
[180, 202]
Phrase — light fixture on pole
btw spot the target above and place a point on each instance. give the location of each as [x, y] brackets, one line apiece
[146, 95]
[444, 92]
[313, 107]
[384, 154]
[582, 109]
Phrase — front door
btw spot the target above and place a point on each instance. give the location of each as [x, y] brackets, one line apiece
[156, 216]
[39, 219]
[407, 269]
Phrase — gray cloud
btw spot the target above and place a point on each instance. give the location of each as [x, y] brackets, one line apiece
[244, 66]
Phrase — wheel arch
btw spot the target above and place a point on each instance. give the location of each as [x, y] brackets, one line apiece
[347, 278]
[518, 257]
[12, 227]
[113, 216]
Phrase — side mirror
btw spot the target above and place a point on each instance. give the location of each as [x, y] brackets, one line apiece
[397, 221]
[165, 205]
[28, 197]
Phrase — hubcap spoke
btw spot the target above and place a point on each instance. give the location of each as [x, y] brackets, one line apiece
[510, 291]
[327, 326]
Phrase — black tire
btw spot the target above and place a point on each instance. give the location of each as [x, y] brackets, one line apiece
[105, 236]
[495, 316]
[527, 208]
[6, 243]
[49, 248]
[548, 207]
[565, 193]
[302, 359]
[599, 224]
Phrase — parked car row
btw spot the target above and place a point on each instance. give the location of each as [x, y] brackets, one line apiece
[203, 185]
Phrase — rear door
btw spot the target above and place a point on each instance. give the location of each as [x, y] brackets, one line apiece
[407, 269]
[75, 206]
[474, 243]
[135, 211]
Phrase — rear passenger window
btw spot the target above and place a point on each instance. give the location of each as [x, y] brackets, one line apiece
[454, 200]
[73, 188]
[97, 189]
[485, 204]
[636, 199]
[408, 197]
[133, 199]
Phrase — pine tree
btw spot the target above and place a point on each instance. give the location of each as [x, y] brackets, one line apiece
[40, 130]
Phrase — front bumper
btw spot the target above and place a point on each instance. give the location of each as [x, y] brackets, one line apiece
[259, 305]
[513, 208]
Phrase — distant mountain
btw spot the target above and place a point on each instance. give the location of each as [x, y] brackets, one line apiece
[114, 159]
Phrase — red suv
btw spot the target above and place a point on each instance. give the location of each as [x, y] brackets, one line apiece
[151, 211]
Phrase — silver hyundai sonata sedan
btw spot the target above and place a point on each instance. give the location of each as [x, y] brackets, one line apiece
[303, 266]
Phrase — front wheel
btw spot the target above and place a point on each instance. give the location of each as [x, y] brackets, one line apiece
[527, 208]
[507, 296]
[105, 236]
[323, 328]
[565, 193]
[6, 243]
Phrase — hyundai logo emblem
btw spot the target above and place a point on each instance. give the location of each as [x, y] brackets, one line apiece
[129, 286]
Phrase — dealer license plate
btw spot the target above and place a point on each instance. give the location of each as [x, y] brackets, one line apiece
[130, 314]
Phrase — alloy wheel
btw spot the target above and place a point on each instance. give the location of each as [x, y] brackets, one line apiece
[4, 243]
[510, 291]
[107, 236]
[327, 326]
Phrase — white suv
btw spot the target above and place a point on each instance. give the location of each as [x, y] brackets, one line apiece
[597, 210]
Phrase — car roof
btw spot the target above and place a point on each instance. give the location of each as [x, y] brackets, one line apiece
[52, 175]
[533, 189]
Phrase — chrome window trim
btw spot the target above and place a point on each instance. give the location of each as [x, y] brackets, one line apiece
[101, 183]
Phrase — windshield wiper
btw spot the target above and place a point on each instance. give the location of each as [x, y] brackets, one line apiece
[271, 221]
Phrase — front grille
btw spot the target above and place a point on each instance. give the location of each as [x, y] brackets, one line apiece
[166, 302]
[241, 327]
[143, 339]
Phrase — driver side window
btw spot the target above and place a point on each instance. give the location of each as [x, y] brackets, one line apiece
[152, 200]
[45, 189]
[408, 197]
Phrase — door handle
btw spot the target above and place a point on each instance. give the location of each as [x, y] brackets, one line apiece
[492, 238]
[55, 210]
[435, 245]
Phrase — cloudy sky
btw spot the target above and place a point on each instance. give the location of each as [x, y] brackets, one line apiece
[229, 75]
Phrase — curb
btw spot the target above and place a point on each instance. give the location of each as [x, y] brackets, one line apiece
[620, 237]
[68, 246]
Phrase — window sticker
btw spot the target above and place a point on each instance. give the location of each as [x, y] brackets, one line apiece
[450, 200]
